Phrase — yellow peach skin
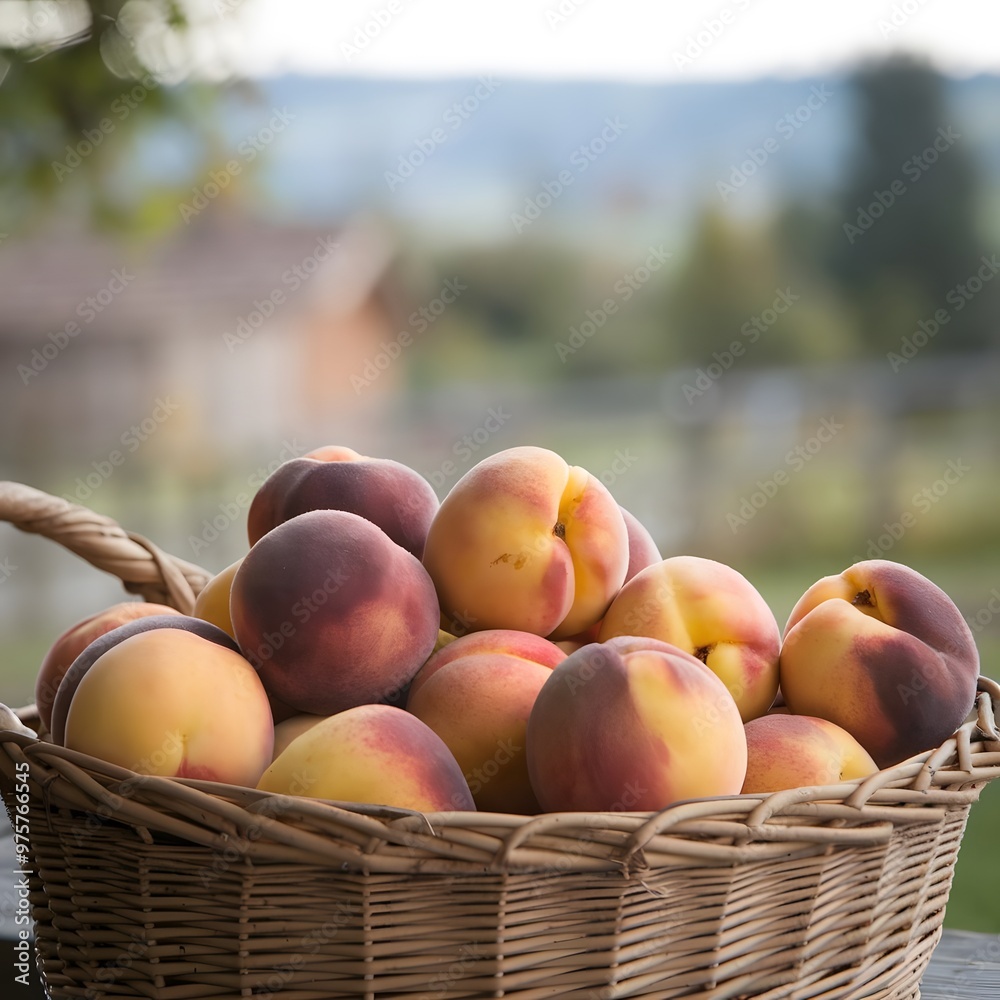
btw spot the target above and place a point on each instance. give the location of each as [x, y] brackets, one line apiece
[375, 754]
[525, 541]
[291, 728]
[169, 702]
[794, 751]
[75, 640]
[884, 653]
[622, 727]
[511, 642]
[212, 604]
[711, 611]
[479, 705]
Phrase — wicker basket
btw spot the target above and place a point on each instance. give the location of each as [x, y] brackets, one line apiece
[182, 889]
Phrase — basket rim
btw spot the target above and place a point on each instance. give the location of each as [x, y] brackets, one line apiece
[719, 829]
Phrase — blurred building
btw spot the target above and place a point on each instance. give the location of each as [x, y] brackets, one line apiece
[241, 329]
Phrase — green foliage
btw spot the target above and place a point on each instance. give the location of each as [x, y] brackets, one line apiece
[73, 109]
[909, 208]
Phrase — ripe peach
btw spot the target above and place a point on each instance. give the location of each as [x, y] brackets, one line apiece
[479, 705]
[642, 550]
[511, 642]
[713, 612]
[376, 754]
[884, 653]
[212, 604]
[392, 495]
[148, 623]
[289, 729]
[76, 638]
[626, 726]
[791, 751]
[525, 541]
[332, 612]
[169, 702]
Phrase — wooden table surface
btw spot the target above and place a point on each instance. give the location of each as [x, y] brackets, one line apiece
[964, 966]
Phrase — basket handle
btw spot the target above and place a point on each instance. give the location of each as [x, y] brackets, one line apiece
[143, 568]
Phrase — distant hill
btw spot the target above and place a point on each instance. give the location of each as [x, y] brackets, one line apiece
[480, 155]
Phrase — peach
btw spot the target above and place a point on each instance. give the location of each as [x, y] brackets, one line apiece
[479, 705]
[75, 639]
[633, 725]
[375, 754]
[511, 642]
[884, 653]
[713, 612]
[169, 702]
[212, 604]
[792, 751]
[334, 453]
[524, 541]
[289, 729]
[333, 613]
[148, 623]
[642, 550]
[392, 495]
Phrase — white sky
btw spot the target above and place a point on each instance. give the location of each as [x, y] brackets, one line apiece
[618, 39]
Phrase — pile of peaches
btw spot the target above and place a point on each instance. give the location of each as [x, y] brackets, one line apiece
[520, 646]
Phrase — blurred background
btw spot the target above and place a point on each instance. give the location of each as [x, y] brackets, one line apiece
[737, 260]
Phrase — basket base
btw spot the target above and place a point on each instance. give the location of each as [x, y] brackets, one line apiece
[116, 916]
